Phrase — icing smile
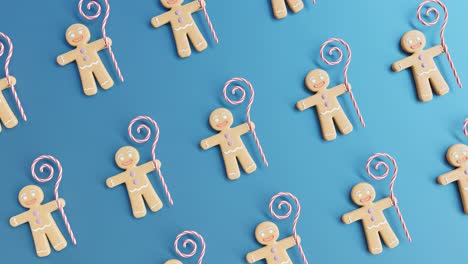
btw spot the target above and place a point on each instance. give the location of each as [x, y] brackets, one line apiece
[31, 202]
[171, 1]
[416, 46]
[462, 160]
[319, 85]
[268, 239]
[78, 39]
[365, 199]
[223, 124]
[128, 162]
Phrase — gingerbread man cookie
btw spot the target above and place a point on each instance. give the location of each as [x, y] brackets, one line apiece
[183, 25]
[325, 100]
[87, 58]
[273, 251]
[43, 227]
[426, 74]
[7, 116]
[139, 187]
[280, 10]
[457, 156]
[229, 140]
[371, 214]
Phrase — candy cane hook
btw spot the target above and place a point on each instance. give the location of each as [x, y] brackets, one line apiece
[377, 166]
[465, 127]
[249, 106]
[345, 72]
[202, 4]
[433, 10]
[50, 168]
[191, 242]
[288, 213]
[147, 130]
[95, 4]
[7, 72]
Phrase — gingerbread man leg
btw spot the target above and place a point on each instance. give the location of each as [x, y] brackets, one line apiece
[41, 243]
[463, 188]
[343, 123]
[374, 243]
[295, 5]
[152, 199]
[7, 116]
[389, 237]
[439, 84]
[279, 8]
[246, 161]
[138, 204]
[56, 238]
[423, 87]
[328, 128]
[89, 83]
[197, 38]
[232, 166]
[103, 77]
[182, 43]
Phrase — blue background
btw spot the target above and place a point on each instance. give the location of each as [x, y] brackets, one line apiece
[275, 55]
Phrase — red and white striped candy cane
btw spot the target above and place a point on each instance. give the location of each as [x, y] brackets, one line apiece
[50, 168]
[103, 27]
[249, 106]
[433, 10]
[208, 20]
[345, 72]
[377, 166]
[465, 127]
[7, 72]
[288, 213]
[147, 130]
[192, 243]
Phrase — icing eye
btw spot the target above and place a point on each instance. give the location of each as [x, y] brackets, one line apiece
[410, 41]
[271, 231]
[80, 32]
[216, 118]
[359, 194]
[33, 194]
[313, 80]
[262, 234]
[321, 77]
[121, 157]
[224, 115]
[367, 191]
[418, 38]
[129, 154]
[464, 152]
[25, 197]
[72, 35]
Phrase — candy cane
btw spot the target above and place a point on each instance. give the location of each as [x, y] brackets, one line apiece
[153, 148]
[191, 242]
[7, 73]
[208, 20]
[103, 28]
[345, 72]
[442, 31]
[50, 168]
[288, 213]
[465, 129]
[392, 183]
[249, 106]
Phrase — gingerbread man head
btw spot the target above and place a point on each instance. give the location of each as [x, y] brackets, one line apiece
[127, 157]
[413, 41]
[457, 155]
[173, 261]
[317, 80]
[77, 34]
[171, 3]
[267, 233]
[363, 194]
[221, 119]
[31, 196]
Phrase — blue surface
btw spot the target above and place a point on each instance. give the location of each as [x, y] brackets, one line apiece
[84, 133]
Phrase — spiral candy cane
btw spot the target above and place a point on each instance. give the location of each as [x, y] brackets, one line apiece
[345, 72]
[249, 106]
[465, 127]
[208, 20]
[50, 168]
[103, 28]
[153, 148]
[190, 242]
[433, 10]
[7, 73]
[287, 214]
[378, 165]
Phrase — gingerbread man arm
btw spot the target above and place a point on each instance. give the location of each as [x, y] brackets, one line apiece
[19, 219]
[308, 102]
[100, 44]
[256, 255]
[116, 180]
[160, 20]
[194, 6]
[352, 216]
[384, 203]
[53, 205]
[66, 58]
[435, 51]
[243, 129]
[339, 90]
[4, 83]
[450, 177]
[149, 166]
[289, 242]
[210, 142]
[402, 64]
